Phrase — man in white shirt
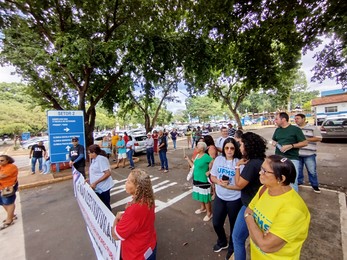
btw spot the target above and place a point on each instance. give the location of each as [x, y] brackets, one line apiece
[220, 140]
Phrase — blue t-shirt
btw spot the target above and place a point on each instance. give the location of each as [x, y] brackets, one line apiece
[222, 166]
[122, 149]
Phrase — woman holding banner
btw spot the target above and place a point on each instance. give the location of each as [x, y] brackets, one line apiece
[135, 226]
[100, 174]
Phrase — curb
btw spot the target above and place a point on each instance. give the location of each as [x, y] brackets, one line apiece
[41, 183]
[59, 179]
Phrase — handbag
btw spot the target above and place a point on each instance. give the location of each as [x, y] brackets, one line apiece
[8, 192]
[190, 173]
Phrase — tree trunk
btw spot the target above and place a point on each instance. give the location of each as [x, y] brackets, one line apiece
[89, 124]
[148, 123]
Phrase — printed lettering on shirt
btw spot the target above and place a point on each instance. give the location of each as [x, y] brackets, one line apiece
[222, 170]
[262, 221]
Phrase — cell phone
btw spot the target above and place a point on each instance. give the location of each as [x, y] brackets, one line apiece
[278, 146]
[225, 178]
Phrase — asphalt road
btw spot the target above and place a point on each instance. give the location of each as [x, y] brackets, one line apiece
[53, 227]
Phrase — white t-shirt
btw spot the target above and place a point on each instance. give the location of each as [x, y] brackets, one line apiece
[220, 141]
[96, 170]
[130, 144]
[222, 166]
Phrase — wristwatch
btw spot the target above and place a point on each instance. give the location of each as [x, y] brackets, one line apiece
[246, 215]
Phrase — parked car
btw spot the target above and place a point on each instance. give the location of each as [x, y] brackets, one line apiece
[139, 142]
[334, 127]
[31, 142]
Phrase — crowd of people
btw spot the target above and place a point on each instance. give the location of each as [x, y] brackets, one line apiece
[232, 178]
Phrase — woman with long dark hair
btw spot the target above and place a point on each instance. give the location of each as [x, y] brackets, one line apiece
[253, 149]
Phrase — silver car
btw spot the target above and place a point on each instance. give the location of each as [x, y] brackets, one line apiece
[334, 127]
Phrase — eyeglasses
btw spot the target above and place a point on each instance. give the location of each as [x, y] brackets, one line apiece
[263, 171]
[229, 148]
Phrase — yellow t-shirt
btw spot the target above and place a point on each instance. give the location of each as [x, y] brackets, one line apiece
[114, 140]
[285, 216]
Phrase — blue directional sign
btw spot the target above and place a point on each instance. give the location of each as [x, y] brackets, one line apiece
[62, 126]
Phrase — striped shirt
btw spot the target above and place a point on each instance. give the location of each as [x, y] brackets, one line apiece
[311, 148]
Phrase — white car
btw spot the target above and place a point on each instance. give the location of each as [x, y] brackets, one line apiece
[30, 143]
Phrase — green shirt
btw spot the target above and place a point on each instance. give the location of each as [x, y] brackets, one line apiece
[289, 135]
[201, 167]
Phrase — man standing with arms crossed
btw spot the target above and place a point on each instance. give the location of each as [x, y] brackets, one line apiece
[288, 139]
[307, 154]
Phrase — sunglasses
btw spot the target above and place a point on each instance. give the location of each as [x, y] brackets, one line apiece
[229, 148]
[2, 160]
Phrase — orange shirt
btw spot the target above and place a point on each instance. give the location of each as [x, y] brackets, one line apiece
[114, 139]
[11, 172]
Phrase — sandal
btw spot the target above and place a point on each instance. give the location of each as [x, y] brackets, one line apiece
[6, 225]
[14, 218]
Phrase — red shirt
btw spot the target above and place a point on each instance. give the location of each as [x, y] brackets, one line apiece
[136, 231]
[126, 138]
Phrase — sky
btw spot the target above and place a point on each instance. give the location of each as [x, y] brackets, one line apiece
[307, 65]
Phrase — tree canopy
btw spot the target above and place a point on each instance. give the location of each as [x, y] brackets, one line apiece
[75, 54]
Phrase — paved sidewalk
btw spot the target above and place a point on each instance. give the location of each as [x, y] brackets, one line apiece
[328, 230]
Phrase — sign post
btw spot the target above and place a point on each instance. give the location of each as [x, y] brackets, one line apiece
[62, 126]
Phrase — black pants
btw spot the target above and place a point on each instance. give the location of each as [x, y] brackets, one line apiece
[221, 209]
[81, 170]
[105, 197]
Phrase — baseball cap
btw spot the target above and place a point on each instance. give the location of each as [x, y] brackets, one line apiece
[74, 138]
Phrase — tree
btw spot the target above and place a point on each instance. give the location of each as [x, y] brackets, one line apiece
[203, 108]
[239, 47]
[19, 114]
[74, 55]
[332, 60]
[156, 112]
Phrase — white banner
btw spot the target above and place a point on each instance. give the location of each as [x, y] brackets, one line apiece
[99, 219]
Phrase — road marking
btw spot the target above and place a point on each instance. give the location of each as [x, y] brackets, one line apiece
[160, 205]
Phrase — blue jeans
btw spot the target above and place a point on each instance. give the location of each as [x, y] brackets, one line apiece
[150, 156]
[240, 234]
[295, 184]
[130, 158]
[222, 209]
[174, 143]
[33, 163]
[310, 164]
[163, 160]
